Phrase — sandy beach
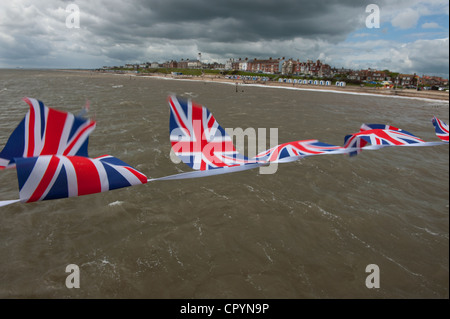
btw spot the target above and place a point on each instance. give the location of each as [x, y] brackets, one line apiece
[351, 89]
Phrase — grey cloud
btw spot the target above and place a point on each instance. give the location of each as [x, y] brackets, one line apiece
[23, 48]
[227, 24]
[425, 60]
[117, 32]
[225, 21]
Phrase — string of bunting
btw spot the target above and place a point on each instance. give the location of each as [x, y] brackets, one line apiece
[49, 150]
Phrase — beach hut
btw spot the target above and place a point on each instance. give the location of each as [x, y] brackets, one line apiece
[321, 82]
[280, 80]
[316, 82]
[305, 81]
[327, 83]
[310, 82]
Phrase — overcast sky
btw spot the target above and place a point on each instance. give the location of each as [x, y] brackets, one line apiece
[413, 35]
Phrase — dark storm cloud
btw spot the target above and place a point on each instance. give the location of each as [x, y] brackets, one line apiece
[114, 32]
[226, 21]
[139, 22]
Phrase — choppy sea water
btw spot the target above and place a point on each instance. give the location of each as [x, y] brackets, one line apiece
[307, 231]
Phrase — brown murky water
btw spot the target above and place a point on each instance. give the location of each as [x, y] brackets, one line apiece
[307, 231]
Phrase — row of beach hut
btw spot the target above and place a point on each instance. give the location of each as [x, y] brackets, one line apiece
[311, 82]
[247, 78]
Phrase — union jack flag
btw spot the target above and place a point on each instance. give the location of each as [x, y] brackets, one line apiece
[298, 149]
[198, 140]
[46, 131]
[56, 176]
[441, 129]
[379, 135]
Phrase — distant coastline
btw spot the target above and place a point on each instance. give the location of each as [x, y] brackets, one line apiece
[433, 95]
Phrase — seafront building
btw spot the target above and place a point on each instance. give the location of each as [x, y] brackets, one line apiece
[290, 67]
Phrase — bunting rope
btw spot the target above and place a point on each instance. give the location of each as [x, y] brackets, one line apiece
[49, 150]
